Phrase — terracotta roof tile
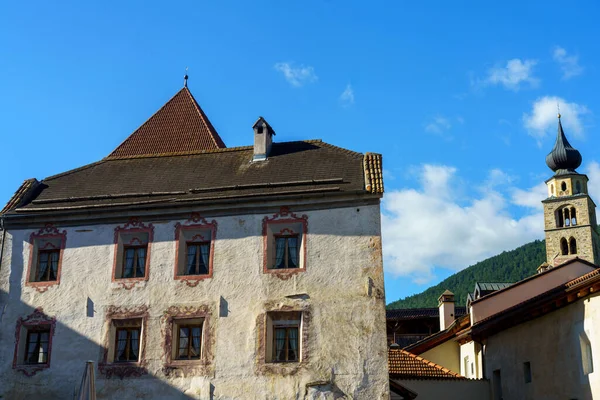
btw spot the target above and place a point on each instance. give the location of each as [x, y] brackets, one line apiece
[20, 195]
[373, 173]
[178, 126]
[403, 364]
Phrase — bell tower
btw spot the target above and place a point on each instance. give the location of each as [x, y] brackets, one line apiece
[569, 212]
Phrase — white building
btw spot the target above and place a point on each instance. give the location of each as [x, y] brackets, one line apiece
[185, 269]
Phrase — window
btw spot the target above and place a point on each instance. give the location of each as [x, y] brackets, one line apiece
[564, 247]
[497, 384]
[567, 217]
[47, 265]
[127, 347]
[36, 346]
[133, 243]
[33, 344]
[527, 372]
[194, 241]
[563, 186]
[577, 187]
[573, 217]
[559, 219]
[466, 366]
[572, 246]
[197, 258]
[286, 251]
[283, 341]
[586, 354]
[46, 253]
[285, 237]
[189, 340]
[134, 261]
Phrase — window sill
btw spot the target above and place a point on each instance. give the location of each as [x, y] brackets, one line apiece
[283, 273]
[31, 369]
[129, 283]
[42, 286]
[193, 280]
[187, 368]
[122, 370]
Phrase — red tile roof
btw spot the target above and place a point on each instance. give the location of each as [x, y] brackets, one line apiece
[179, 126]
[403, 364]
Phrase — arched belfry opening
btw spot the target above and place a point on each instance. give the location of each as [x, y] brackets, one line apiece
[573, 217]
[567, 217]
[572, 246]
[564, 247]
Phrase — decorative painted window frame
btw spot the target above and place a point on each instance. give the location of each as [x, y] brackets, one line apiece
[134, 225]
[47, 232]
[35, 319]
[196, 222]
[263, 367]
[284, 216]
[205, 365]
[124, 369]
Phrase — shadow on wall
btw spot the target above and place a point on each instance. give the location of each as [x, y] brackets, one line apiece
[68, 353]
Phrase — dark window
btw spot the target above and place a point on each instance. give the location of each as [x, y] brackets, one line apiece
[564, 247]
[127, 348]
[497, 384]
[189, 342]
[285, 343]
[134, 261]
[47, 265]
[567, 217]
[560, 221]
[36, 350]
[527, 372]
[563, 186]
[572, 246]
[573, 217]
[577, 187]
[286, 252]
[197, 258]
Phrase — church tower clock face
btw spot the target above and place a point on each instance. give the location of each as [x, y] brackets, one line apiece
[569, 211]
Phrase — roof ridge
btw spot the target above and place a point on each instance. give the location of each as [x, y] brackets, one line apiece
[144, 123]
[209, 124]
[73, 170]
[350, 152]
[198, 152]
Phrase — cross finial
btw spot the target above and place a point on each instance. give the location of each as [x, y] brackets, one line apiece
[185, 78]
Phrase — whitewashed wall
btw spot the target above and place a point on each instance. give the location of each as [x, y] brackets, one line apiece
[551, 344]
[347, 340]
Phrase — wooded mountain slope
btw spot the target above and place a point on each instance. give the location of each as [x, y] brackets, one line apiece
[508, 266]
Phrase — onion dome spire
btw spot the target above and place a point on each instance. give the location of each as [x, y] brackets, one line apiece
[563, 159]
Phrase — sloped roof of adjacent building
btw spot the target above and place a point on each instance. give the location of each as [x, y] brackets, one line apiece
[177, 127]
[403, 364]
[425, 312]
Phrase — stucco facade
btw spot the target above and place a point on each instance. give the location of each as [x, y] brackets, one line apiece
[552, 346]
[341, 293]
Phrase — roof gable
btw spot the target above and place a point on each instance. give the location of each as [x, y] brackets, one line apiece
[178, 126]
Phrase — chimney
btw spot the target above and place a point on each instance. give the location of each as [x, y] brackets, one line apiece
[446, 306]
[263, 139]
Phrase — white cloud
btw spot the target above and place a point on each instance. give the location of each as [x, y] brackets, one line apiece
[296, 76]
[438, 125]
[428, 227]
[569, 64]
[531, 198]
[513, 75]
[347, 96]
[542, 119]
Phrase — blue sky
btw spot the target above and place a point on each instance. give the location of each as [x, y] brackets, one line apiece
[460, 98]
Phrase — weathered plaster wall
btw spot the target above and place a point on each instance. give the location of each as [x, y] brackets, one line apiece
[551, 344]
[447, 389]
[342, 287]
[447, 355]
